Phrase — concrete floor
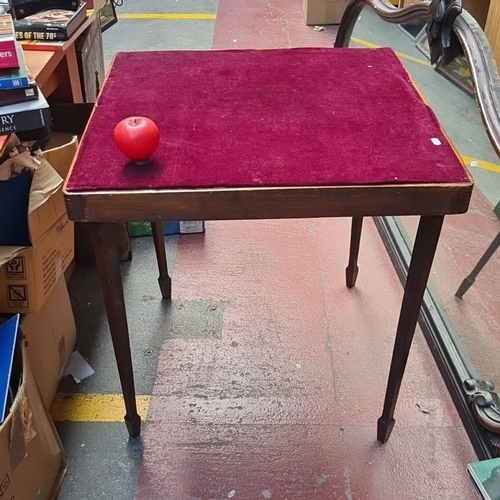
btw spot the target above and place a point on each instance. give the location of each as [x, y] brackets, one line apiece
[266, 374]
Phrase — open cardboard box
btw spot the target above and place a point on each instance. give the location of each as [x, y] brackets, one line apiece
[60, 152]
[51, 337]
[29, 271]
[32, 463]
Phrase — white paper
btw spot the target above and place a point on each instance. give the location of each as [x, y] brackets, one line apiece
[78, 368]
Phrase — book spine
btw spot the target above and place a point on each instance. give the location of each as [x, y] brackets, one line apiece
[14, 83]
[42, 35]
[24, 120]
[14, 96]
[8, 54]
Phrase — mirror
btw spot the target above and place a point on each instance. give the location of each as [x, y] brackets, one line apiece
[475, 317]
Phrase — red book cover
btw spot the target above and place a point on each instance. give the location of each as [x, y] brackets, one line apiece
[8, 53]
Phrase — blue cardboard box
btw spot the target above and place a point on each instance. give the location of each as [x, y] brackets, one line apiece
[14, 201]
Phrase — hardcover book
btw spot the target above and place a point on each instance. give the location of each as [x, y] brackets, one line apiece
[23, 94]
[15, 77]
[4, 141]
[25, 116]
[8, 53]
[50, 25]
[23, 8]
[485, 477]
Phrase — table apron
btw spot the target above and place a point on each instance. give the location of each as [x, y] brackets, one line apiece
[269, 203]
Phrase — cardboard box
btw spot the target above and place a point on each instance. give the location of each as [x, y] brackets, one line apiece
[28, 279]
[320, 12]
[60, 152]
[51, 337]
[29, 272]
[27, 199]
[32, 463]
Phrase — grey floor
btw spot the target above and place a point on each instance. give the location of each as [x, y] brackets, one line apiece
[98, 467]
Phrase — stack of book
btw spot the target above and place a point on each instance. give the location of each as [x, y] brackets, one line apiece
[22, 105]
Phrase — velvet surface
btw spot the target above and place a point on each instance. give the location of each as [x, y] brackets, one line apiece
[281, 117]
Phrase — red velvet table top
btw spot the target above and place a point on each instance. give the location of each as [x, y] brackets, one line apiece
[284, 117]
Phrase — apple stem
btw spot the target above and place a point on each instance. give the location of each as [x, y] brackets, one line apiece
[142, 162]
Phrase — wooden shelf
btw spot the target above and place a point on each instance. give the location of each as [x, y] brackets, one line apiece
[37, 46]
[55, 64]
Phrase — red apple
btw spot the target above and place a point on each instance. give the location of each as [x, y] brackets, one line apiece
[137, 137]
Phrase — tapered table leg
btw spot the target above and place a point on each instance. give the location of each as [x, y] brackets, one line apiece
[351, 271]
[421, 261]
[469, 280]
[108, 265]
[161, 256]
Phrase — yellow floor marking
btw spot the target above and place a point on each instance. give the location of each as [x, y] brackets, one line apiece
[371, 45]
[485, 165]
[365, 43]
[94, 407]
[184, 16]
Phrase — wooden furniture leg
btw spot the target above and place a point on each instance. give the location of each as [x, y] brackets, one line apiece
[164, 279]
[108, 265]
[351, 271]
[424, 249]
[469, 280]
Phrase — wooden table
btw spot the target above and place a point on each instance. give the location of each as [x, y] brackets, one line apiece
[267, 135]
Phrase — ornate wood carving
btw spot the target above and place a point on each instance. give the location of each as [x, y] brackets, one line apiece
[442, 39]
[385, 10]
[485, 403]
[484, 72]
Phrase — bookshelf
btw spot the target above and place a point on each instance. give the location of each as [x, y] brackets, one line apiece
[55, 66]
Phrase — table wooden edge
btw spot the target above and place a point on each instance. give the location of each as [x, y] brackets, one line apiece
[269, 202]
